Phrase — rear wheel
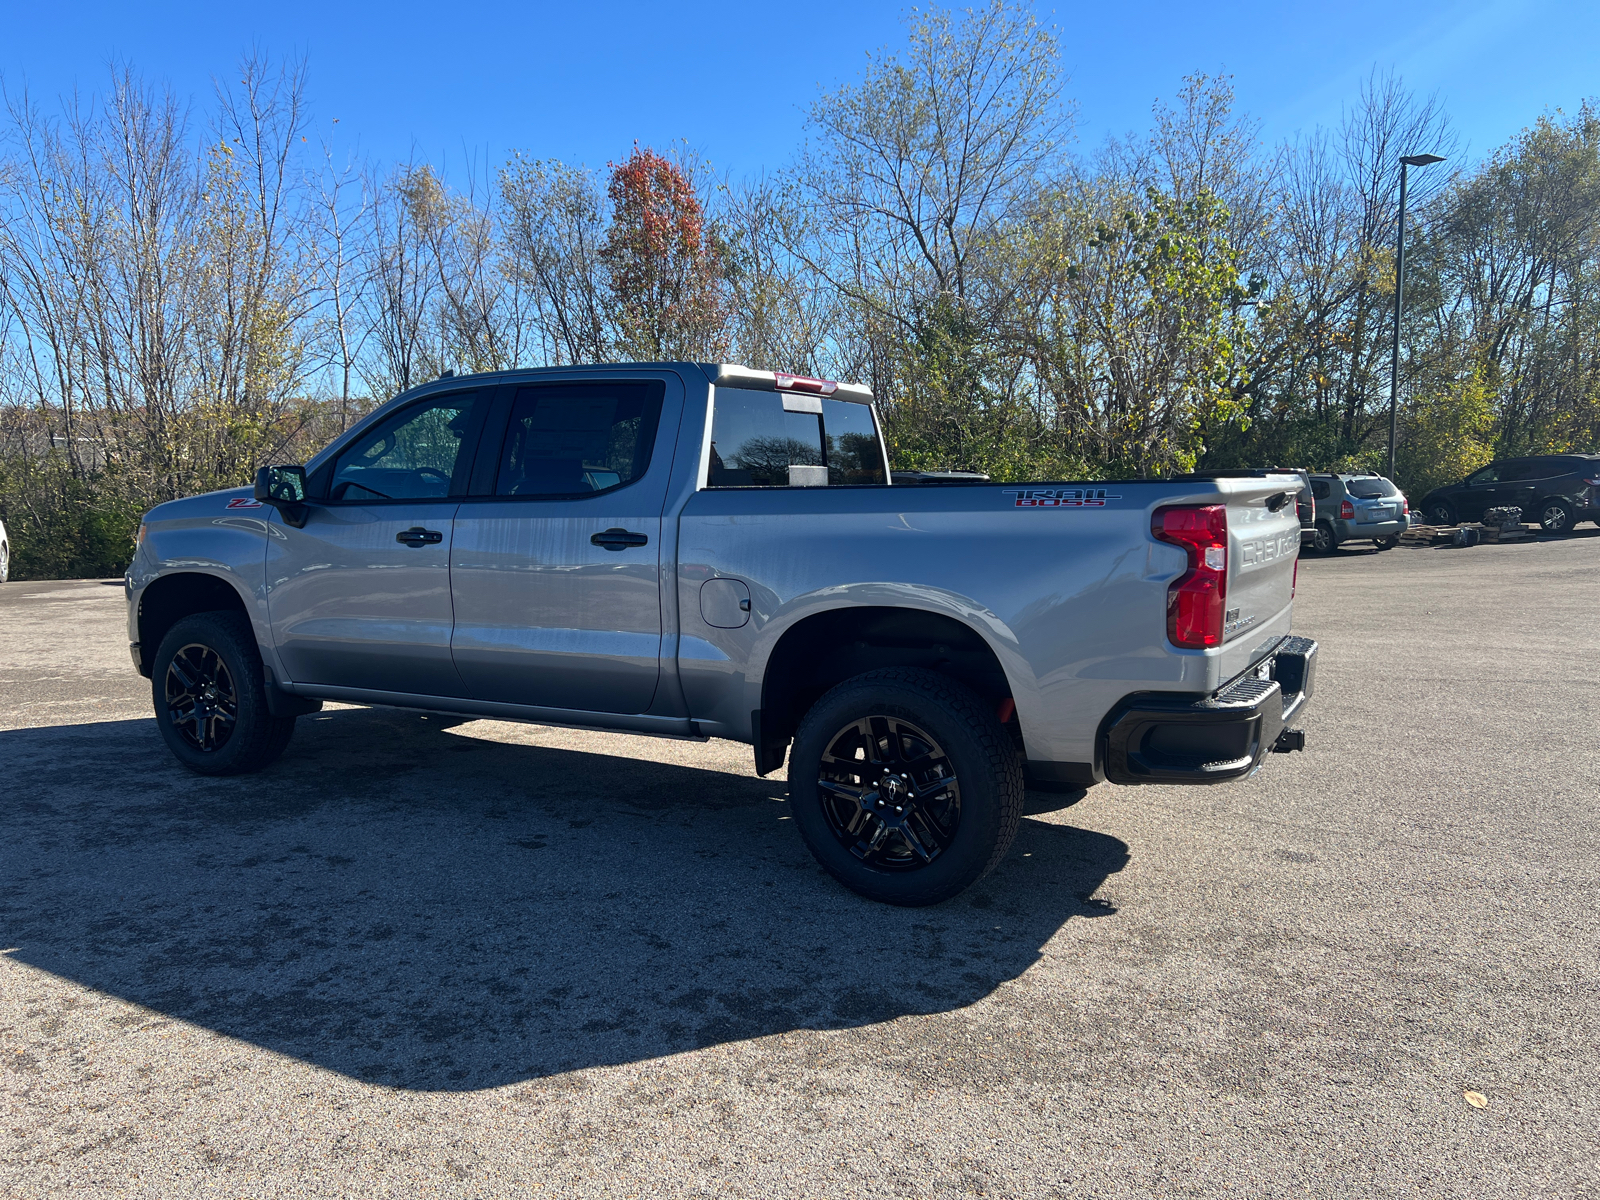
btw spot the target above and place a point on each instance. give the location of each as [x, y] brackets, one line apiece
[1556, 516]
[210, 698]
[1440, 513]
[1323, 539]
[1386, 543]
[905, 786]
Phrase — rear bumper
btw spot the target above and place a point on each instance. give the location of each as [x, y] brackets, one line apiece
[1354, 531]
[1167, 737]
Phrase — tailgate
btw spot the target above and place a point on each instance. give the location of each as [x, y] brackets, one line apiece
[1262, 548]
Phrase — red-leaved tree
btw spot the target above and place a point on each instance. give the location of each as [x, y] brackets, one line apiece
[665, 270]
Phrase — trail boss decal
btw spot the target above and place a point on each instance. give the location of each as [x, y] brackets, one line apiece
[1060, 497]
[243, 502]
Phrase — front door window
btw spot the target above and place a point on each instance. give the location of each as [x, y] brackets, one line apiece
[412, 456]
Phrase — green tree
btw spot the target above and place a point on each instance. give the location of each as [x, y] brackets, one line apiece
[1149, 347]
[1448, 433]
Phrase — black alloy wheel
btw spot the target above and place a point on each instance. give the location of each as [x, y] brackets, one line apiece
[905, 785]
[202, 701]
[209, 688]
[1555, 516]
[889, 793]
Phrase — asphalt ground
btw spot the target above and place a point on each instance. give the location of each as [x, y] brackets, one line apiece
[482, 959]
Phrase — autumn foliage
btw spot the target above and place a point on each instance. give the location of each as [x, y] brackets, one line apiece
[664, 271]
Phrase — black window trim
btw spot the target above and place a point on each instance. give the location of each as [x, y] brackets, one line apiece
[322, 484]
[497, 424]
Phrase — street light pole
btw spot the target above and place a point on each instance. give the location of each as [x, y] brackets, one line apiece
[1406, 161]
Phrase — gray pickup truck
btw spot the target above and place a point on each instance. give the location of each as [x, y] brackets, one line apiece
[701, 550]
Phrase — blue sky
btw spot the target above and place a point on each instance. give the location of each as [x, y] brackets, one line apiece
[581, 82]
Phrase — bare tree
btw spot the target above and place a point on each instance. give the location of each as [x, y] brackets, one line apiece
[553, 231]
[342, 233]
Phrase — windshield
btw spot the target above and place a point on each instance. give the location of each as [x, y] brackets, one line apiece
[1370, 487]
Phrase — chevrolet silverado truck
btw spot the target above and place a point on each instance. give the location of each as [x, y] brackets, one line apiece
[703, 550]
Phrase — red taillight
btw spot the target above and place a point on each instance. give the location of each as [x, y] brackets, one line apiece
[1347, 511]
[803, 383]
[1405, 506]
[1195, 600]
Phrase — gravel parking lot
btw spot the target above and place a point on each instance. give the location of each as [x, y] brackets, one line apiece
[424, 958]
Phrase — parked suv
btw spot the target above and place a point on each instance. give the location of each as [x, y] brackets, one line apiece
[1356, 508]
[1556, 490]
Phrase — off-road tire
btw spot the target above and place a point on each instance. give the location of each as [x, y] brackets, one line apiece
[256, 737]
[1556, 516]
[980, 752]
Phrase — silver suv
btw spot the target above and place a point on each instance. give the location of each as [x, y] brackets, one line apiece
[1357, 507]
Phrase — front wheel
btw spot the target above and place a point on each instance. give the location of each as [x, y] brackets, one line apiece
[1555, 516]
[905, 786]
[210, 698]
[1440, 513]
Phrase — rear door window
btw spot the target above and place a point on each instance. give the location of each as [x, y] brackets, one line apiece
[1564, 465]
[577, 439]
[755, 442]
[1319, 489]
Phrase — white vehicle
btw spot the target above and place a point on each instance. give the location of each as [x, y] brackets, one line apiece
[5, 553]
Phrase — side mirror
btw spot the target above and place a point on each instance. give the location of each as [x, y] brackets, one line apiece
[284, 487]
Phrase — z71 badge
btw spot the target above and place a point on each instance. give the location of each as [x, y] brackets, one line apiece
[243, 502]
[1060, 497]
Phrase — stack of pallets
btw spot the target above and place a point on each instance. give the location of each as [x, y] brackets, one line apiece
[1443, 535]
[1421, 535]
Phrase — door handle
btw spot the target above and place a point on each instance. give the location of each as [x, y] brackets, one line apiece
[619, 539]
[418, 536]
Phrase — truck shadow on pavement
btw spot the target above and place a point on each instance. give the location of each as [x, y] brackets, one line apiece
[425, 910]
